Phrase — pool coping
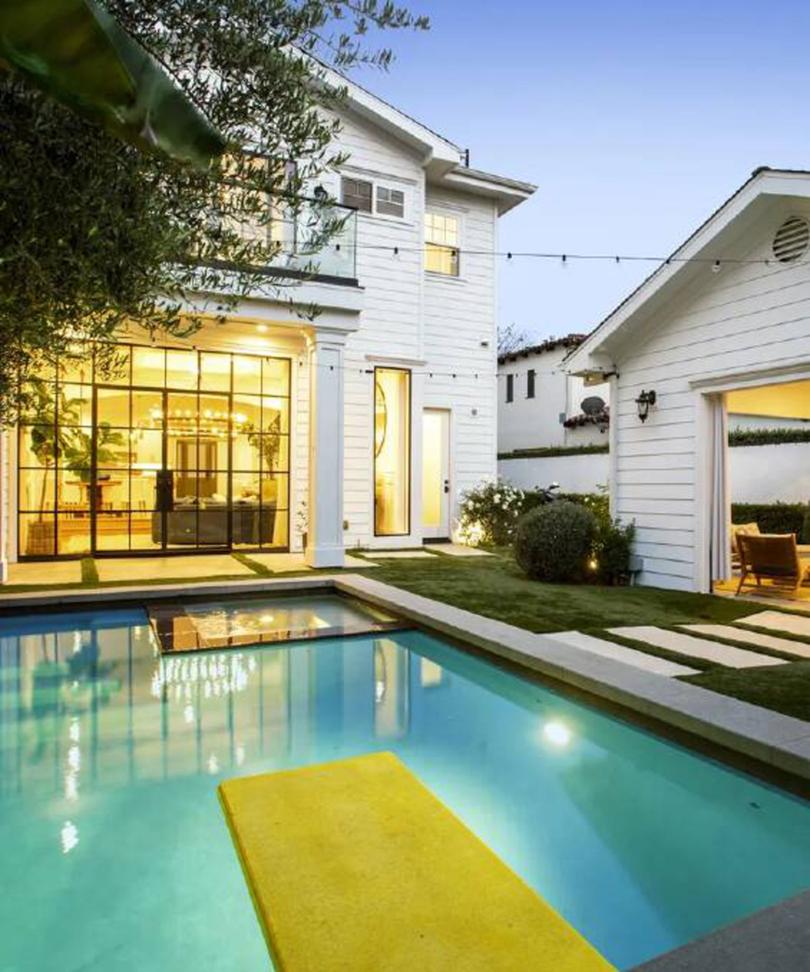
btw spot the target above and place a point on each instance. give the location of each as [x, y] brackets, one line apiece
[776, 740]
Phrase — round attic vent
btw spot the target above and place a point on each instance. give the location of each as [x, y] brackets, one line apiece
[791, 240]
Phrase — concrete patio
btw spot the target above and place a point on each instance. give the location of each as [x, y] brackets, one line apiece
[204, 567]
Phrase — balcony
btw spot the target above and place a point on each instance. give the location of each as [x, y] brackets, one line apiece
[301, 252]
[316, 243]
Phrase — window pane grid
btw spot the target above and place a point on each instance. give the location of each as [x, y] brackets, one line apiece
[128, 443]
[441, 244]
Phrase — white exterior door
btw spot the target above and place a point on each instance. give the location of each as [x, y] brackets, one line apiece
[435, 473]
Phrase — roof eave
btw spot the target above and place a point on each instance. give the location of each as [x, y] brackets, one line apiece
[507, 193]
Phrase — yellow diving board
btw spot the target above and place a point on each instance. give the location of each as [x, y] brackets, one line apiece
[356, 866]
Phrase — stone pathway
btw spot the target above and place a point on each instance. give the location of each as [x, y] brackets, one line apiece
[279, 563]
[458, 550]
[398, 554]
[630, 656]
[711, 651]
[357, 563]
[750, 638]
[50, 572]
[180, 567]
[777, 621]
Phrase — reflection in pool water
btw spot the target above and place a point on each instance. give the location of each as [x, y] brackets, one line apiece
[116, 857]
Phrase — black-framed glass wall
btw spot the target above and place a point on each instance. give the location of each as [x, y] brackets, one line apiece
[176, 449]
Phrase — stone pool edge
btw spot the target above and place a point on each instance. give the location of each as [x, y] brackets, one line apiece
[777, 740]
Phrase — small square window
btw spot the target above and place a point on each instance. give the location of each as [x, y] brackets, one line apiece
[390, 202]
[356, 193]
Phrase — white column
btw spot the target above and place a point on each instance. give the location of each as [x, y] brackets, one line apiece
[325, 503]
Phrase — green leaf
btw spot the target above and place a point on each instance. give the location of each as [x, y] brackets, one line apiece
[80, 55]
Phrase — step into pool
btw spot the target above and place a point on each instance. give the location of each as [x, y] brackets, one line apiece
[228, 623]
[115, 856]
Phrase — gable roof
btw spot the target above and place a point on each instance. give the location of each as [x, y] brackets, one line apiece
[699, 249]
[443, 160]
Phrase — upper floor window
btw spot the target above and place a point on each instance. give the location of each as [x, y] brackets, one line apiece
[530, 374]
[356, 193]
[390, 202]
[441, 244]
[510, 388]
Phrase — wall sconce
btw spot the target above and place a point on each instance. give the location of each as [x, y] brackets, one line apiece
[644, 401]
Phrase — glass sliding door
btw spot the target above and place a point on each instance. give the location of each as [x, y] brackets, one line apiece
[392, 452]
[164, 454]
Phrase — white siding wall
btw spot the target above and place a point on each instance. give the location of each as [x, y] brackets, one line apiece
[747, 318]
[459, 318]
[424, 322]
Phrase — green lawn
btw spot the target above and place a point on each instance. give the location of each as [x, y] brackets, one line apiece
[495, 587]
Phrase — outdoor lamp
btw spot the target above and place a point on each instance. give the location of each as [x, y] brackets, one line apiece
[644, 401]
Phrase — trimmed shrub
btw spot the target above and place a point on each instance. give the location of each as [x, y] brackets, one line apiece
[775, 517]
[612, 550]
[554, 542]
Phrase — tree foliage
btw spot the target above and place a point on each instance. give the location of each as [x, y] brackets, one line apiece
[511, 338]
[95, 235]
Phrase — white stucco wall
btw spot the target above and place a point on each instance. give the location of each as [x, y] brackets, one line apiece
[771, 473]
[759, 474]
[575, 474]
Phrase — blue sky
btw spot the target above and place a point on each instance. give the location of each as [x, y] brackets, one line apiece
[634, 119]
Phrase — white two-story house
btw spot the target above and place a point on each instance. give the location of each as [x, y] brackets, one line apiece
[273, 432]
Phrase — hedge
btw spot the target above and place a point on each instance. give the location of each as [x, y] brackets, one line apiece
[550, 452]
[737, 437]
[759, 437]
[775, 517]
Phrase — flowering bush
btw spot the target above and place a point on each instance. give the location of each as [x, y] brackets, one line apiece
[489, 513]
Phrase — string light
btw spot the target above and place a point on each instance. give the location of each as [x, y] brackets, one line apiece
[565, 258]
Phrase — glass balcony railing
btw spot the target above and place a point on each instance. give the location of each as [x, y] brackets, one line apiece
[317, 241]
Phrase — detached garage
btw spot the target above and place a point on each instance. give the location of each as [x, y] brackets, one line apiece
[723, 323]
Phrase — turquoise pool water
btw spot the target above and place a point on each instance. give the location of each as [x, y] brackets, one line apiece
[115, 856]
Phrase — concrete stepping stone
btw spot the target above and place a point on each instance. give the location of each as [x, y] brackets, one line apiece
[398, 554]
[750, 638]
[711, 651]
[777, 621]
[630, 656]
[459, 550]
[357, 563]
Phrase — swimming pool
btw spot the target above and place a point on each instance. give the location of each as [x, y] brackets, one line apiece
[116, 857]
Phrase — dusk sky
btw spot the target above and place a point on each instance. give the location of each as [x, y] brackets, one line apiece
[635, 120]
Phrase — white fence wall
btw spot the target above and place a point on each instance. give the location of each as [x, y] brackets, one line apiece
[575, 474]
[771, 473]
[759, 474]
